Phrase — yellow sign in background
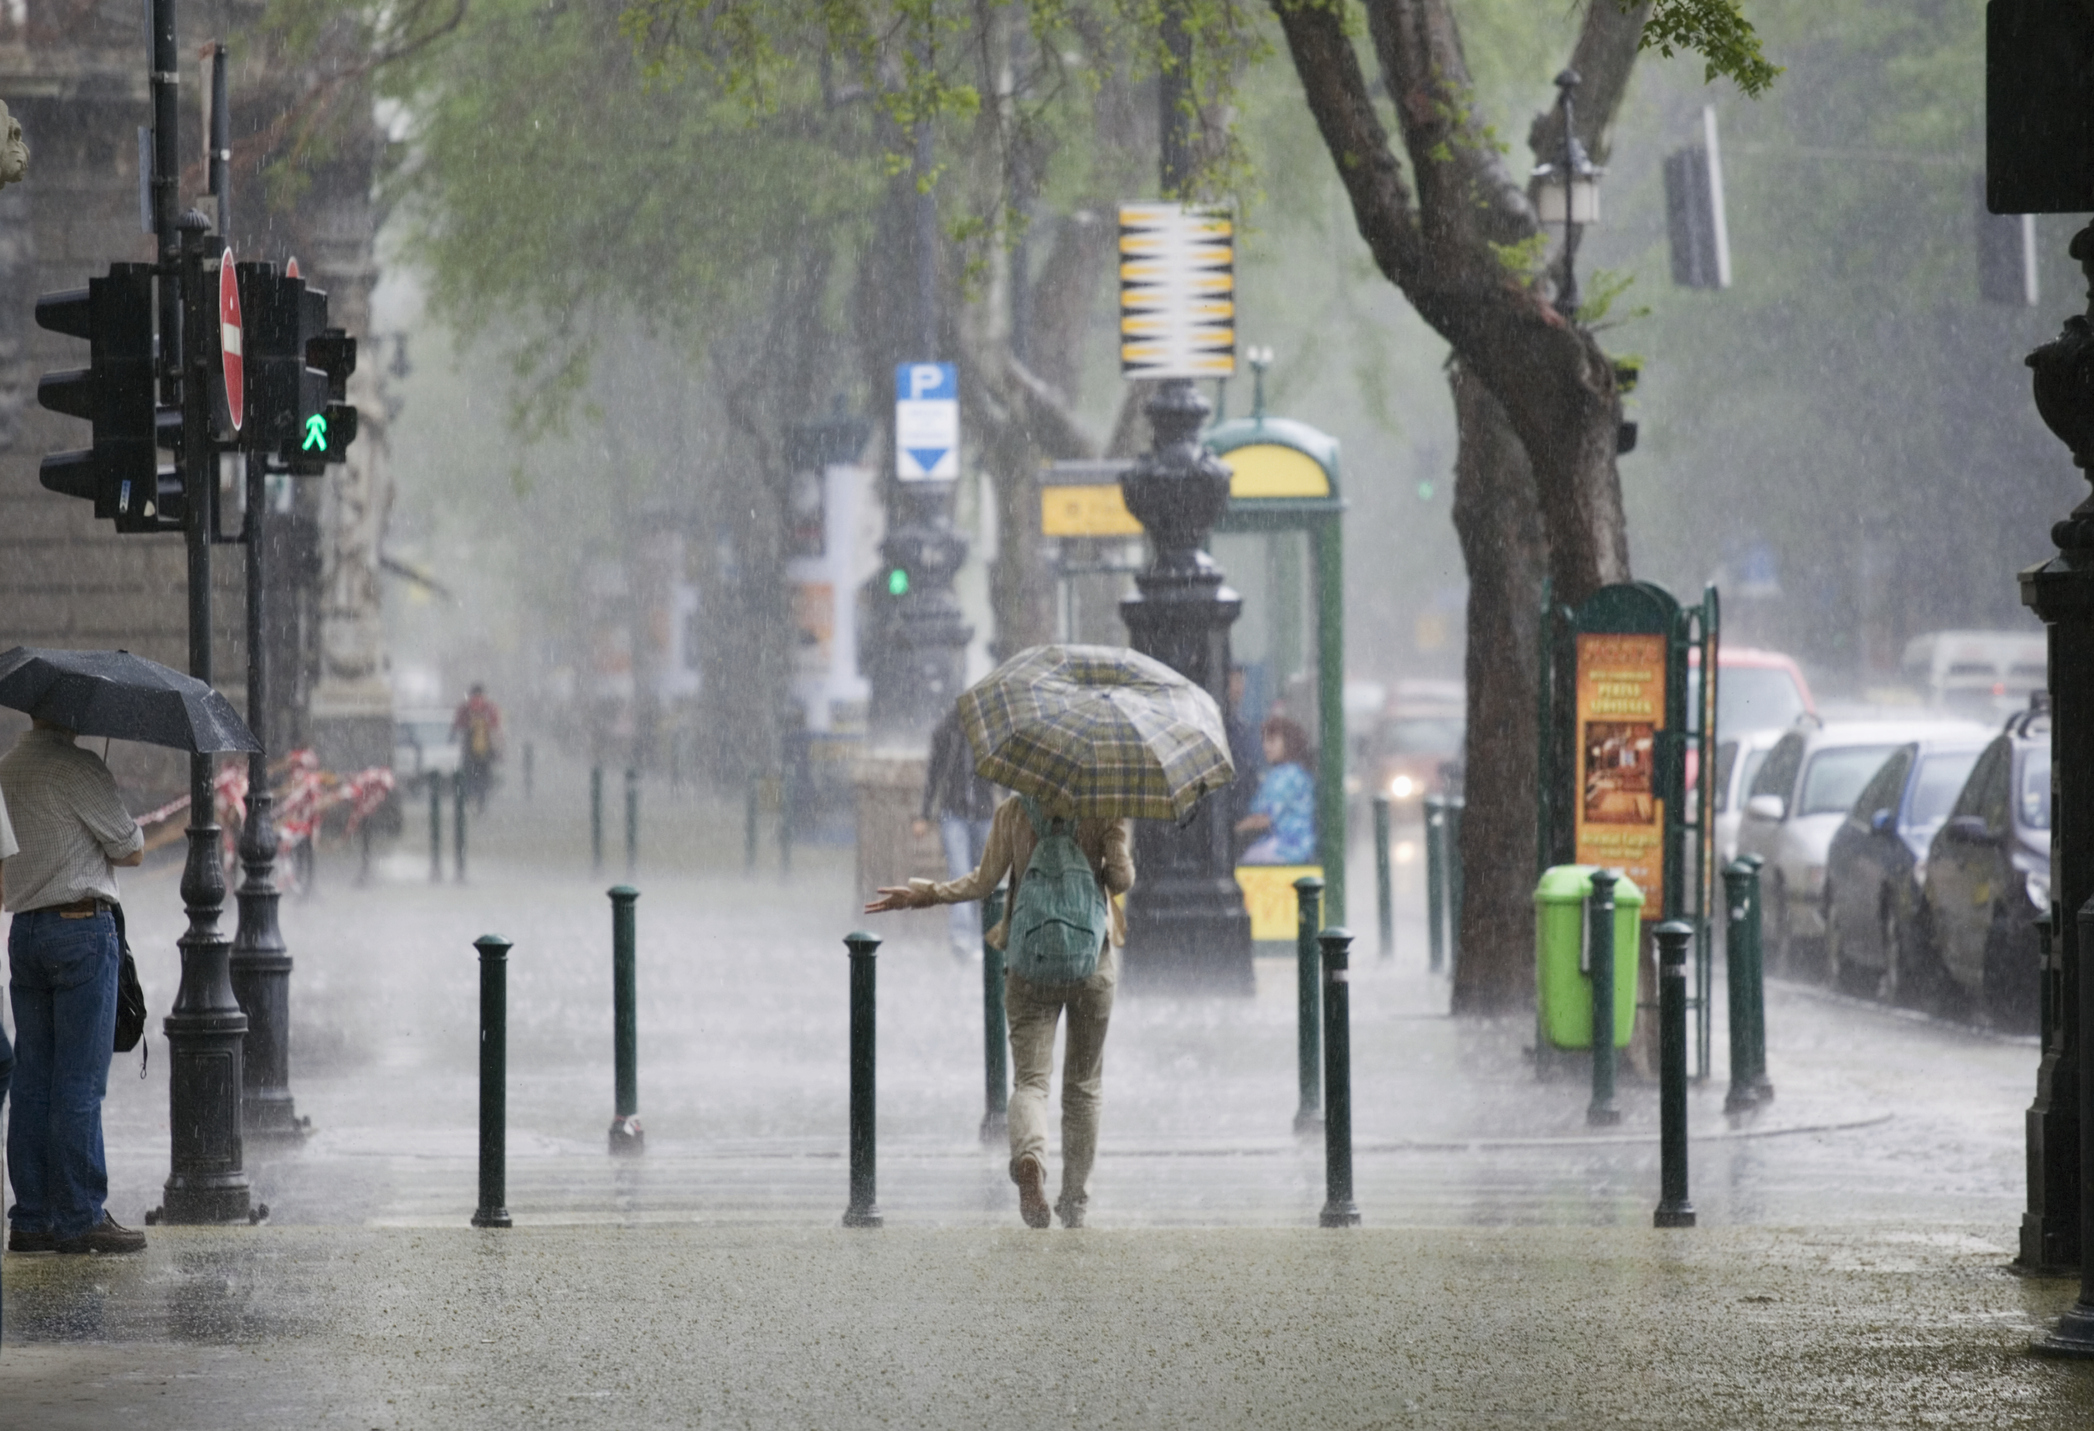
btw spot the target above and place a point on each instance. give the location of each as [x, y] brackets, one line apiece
[1620, 821]
[1269, 895]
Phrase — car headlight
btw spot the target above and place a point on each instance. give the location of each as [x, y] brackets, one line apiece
[2039, 889]
[1402, 787]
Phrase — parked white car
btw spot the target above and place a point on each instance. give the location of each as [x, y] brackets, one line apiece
[1796, 802]
[1738, 761]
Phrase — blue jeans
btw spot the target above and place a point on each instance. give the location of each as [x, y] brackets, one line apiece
[62, 981]
[964, 841]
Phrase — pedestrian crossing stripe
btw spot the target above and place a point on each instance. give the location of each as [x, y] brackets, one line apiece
[1177, 291]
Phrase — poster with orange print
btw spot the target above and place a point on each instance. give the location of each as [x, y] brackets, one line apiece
[1620, 821]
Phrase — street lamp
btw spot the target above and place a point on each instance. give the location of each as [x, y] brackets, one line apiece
[1566, 191]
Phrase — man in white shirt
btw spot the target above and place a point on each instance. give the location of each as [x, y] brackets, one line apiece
[63, 953]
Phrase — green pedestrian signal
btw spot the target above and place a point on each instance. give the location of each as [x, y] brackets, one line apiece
[898, 582]
[316, 433]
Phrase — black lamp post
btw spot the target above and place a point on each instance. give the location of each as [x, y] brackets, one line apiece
[1567, 191]
[1186, 924]
[2061, 591]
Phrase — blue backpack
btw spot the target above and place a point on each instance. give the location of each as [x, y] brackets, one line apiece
[1059, 921]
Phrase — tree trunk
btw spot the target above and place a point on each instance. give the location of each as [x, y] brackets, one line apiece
[1535, 397]
[1505, 548]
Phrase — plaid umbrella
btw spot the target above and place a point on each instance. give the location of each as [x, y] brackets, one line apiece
[1109, 730]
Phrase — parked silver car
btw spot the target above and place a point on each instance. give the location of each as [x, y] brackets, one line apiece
[1738, 760]
[1798, 799]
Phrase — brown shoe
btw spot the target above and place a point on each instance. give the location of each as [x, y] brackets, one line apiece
[107, 1238]
[1032, 1192]
[21, 1239]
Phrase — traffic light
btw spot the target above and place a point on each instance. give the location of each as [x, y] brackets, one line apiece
[121, 472]
[297, 372]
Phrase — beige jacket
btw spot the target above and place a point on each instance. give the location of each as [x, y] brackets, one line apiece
[1107, 844]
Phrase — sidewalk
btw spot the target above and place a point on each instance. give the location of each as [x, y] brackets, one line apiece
[1507, 1272]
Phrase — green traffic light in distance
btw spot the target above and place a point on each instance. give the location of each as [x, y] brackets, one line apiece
[898, 582]
[316, 433]
[1425, 491]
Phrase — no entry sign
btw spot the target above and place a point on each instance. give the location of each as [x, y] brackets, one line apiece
[229, 341]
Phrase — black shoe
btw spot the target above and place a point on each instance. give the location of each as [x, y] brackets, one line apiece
[107, 1238]
[21, 1239]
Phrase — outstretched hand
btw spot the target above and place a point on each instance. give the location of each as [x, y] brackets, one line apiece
[901, 898]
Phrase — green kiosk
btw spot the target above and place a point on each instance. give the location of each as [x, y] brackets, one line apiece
[1280, 543]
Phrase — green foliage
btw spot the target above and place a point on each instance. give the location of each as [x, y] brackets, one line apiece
[1718, 31]
[1602, 287]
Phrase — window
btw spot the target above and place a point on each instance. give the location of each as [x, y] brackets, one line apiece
[2032, 791]
[1940, 777]
[1969, 801]
[1883, 791]
[1778, 774]
[1836, 776]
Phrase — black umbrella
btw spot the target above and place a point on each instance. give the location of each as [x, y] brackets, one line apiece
[117, 694]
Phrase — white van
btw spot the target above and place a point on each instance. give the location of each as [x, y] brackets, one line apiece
[1985, 675]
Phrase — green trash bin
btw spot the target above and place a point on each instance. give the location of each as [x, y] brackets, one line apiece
[1562, 984]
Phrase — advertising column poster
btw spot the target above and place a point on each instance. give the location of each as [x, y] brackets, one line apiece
[1621, 709]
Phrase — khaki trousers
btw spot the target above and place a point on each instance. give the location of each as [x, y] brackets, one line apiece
[1032, 1011]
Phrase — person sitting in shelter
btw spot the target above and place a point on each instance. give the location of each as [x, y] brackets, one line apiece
[1283, 812]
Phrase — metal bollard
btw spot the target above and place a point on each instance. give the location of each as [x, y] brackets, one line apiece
[1435, 878]
[1674, 1208]
[632, 819]
[1457, 807]
[1756, 987]
[596, 818]
[530, 768]
[626, 1134]
[785, 819]
[458, 826]
[1599, 938]
[1739, 881]
[996, 1076]
[1339, 1210]
[436, 828]
[749, 825]
[494, 1072]
[1384, 886]
[864, 1210]
[1308, 1011]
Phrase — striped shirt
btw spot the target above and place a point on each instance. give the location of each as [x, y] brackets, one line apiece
[69, 821]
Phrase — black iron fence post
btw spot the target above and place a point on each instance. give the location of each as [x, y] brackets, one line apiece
[2073, 1336]
[1435, 882]
[1739, 881]
[596, 818]
[626, 1133]
[1674, 1208]
[1308, 1010]
[493, 1210]
[1384, 885]
[864, 1210]
[1339, 1210]
[632, 819]
[458, 787]
[1599, 935]
[530, 768]
[1756, 983]
[436, 827]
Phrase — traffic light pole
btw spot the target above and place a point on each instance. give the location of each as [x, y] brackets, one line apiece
[206, 1031]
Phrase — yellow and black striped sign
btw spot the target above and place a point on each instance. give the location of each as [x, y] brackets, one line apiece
[1177, 291]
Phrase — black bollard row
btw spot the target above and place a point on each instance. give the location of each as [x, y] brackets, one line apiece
[596, 818]
[632, 819]
[494, 1073]
[458, 826]
[1674, 1208]
[864, 1209]
[436, 827]
[1384, 884]
[1339, 1209]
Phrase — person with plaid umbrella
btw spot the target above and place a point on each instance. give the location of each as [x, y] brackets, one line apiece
[1097, 735]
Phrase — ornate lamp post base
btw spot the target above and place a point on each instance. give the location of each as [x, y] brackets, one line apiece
[1186, 924]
